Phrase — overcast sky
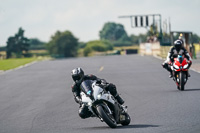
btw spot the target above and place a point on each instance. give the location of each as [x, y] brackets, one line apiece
[85, 18]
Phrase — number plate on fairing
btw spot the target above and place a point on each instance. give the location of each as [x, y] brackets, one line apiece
[122, 118]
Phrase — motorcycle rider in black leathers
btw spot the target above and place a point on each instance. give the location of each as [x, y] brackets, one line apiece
[78, 77]
[175, 50]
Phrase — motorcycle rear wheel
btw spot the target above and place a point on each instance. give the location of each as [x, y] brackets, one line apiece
[127, 120]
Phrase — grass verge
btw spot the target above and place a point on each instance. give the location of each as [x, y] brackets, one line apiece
[14, 63]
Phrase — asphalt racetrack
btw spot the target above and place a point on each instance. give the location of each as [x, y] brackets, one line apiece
[38, 98]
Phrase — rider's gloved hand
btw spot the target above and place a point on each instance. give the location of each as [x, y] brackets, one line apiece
[164, 65]
[98, 81]
[189, 62]
[171, 60]
[170, 63]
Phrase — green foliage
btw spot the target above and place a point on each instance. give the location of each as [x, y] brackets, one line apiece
[195, 38]
[35, 41]
[108, 44]
[63, 44]
[3, 48]
[87, 51]
[81, 45]
[97, 45]
[122, 43]
[113, 32]
[17, 45]
[13, 63]
[36, 44]
[136, 40]
[153, 31]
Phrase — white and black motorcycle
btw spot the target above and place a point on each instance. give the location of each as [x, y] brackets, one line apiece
[103, 105]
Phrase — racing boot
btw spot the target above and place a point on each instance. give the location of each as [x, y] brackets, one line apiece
[188, 74]
[170, 75]
[119, 99]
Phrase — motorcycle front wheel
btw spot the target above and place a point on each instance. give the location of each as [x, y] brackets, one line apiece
[106, 118]
[181, 83]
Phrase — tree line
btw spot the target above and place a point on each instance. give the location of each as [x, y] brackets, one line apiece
[65, 44]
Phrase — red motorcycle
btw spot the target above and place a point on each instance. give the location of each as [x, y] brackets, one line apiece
[180, 71]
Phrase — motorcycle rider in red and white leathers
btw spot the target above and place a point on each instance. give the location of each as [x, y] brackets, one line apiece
[175, 50]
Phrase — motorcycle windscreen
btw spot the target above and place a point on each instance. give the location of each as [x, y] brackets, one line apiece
[86, 87]
[180, 58]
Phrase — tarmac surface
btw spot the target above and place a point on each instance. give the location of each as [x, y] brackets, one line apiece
[196, 65]
[38, 98]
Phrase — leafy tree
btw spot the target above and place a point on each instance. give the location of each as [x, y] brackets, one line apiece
[108, 44]
[195, 38]
[17, 45]
[134, 39]
[63, 44]
[81, 44]
[153, 31]
[113, 32]
[36, 44]
[122, 43]
[35, 41]
[137, 39]
[87, 51]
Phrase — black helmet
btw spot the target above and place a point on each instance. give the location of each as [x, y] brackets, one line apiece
[77, 74]
[178, 44]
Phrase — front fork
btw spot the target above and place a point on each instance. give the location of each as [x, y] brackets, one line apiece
[177, 78]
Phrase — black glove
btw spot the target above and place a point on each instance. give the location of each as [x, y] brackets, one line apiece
[172, 59]
[98, 81]
[164, 65]
[189, 62]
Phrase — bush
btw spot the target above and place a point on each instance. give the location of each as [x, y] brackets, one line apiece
[108, 45]
[81, 44]
[121, 44]
[87, 50]
[97, 45]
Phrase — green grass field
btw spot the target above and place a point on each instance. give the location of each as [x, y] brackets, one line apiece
[13, 63]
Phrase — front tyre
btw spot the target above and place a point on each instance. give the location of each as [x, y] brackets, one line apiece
[181, 83]
[105, 116]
